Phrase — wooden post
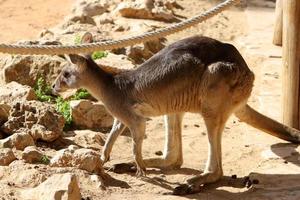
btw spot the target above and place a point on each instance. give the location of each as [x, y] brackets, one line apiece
[291, 63]
[277, 37]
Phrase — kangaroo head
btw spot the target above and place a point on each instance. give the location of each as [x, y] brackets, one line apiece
[73, 74]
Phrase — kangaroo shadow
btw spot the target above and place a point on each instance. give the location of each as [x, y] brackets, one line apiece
[287, 152]
[255, 186]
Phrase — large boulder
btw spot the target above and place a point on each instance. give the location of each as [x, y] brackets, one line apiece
[38, 119]
[6, 156]
[14, 92]
[27, 69]
[19, 140]
[84, 159]
[147, 9]
[90, 115]
[57, 187]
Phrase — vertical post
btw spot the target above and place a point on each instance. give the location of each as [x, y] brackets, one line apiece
[291, 63]
[277, 37]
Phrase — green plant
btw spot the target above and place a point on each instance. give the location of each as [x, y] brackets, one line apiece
[45, 159]
[42, 90]
[63, 107]
[77, 39]
[81, 94]
[99, 54]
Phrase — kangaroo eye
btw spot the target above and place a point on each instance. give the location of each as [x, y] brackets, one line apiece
[67, 74]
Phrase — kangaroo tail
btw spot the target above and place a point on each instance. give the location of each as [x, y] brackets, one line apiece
[268, 125]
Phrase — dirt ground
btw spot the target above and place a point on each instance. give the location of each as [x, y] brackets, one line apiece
[246, 151]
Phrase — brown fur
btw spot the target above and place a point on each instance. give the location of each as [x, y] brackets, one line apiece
[196, 74]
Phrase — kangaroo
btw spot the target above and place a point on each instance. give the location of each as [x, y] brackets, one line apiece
[196, 74]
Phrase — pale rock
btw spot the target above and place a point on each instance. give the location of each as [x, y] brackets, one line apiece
[27, 69]
[84, 159]
[31, 155]
[6, 156]
[72, 148]
[57, 187]
[38, 119]
[17, 140]
[90, 115]
[105, 18]
[121, 62]
[146, 9]
[13, 92]
[139, 53]
[89, 139]
[90, 7]
[81, 19]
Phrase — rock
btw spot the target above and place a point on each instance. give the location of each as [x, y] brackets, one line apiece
[4, 113]
[31, 155]
[90, 7]
[105, 18]
[89, 139]
[38, 119]
[6, 156]
[23, 174]
[57, 187]
[81, 19]
[27, 69]
[147, 9]
[2, 135]
[14, 92]
[84, 159]
[116, 61]
[141, 52]
[18, 141]
[90, 115]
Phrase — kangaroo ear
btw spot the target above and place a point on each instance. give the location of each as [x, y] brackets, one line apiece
[87, 38]
[75, 59]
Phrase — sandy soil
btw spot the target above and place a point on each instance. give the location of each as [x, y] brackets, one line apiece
[21, 20]
[246, 151]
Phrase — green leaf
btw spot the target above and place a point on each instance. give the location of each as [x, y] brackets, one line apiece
[99, 54]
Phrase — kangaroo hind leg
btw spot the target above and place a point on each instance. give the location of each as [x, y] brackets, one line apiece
[213, 169]
[172, 155]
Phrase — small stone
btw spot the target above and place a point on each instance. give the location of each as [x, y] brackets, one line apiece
[234, 176]
[196, 125]
[6, 156]
[159, 153]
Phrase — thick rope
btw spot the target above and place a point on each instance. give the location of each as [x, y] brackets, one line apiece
[114, 44]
